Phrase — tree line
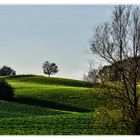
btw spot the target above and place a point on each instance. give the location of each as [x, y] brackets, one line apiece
[48, 69]
[108, 73]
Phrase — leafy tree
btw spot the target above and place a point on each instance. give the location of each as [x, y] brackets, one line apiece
[109, 73]
[117, 40]
[7, 71]
[49, 68]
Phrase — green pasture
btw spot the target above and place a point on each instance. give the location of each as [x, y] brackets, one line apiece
[51, 106]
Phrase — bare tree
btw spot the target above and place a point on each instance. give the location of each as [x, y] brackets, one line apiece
[115, 41]
[49, 68]
[92, 74]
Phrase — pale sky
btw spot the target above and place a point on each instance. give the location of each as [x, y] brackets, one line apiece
[30, 35]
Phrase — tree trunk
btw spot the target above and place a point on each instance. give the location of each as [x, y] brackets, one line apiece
[136, 129]
[135, 96]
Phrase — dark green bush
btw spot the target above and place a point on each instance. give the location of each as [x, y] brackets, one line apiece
[6, 91]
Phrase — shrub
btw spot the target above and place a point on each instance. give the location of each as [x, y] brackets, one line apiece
[6, 91]
[108, 121]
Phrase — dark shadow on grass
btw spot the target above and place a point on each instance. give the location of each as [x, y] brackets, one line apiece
[48, 104]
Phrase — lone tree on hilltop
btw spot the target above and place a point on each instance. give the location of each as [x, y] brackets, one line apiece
[49, 68]
[114, 41]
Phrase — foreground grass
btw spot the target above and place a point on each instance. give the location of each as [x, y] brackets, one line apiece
[47, 125]
[11, 109]
[17, 119]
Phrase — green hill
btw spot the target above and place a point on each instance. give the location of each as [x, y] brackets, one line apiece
[50, 80]
[57, 93]
[49, 106]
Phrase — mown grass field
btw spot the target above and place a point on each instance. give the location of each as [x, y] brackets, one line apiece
[50, 106]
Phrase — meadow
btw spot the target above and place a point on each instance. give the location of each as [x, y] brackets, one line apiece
[51, 106]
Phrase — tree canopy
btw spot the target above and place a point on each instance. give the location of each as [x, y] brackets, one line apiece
[49, 68]
[7, 71]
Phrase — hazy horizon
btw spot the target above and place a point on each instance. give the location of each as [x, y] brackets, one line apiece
[30, 35]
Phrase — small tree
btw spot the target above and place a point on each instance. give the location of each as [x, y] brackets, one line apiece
[7, 71]
[49, 68]
[92, 74]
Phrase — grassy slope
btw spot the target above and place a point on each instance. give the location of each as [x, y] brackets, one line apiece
[11, 109]
[49, 106]
[20, 117]
[40, 91]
